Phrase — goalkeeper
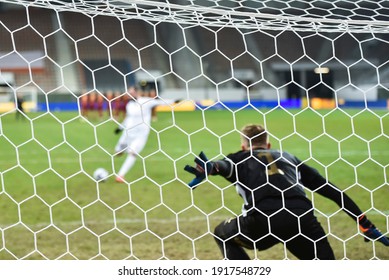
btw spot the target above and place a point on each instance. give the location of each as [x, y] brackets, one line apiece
[275, 207]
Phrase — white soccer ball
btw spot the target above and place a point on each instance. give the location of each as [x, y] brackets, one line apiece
[100, 174]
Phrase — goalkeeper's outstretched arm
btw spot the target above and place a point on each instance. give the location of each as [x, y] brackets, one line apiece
[320, 185]
[204, 167]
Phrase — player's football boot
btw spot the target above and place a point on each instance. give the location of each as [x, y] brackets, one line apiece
[120, 179]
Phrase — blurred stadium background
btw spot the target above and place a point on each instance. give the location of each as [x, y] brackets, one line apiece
[65, 54]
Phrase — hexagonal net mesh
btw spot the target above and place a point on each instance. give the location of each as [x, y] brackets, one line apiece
[314, 73]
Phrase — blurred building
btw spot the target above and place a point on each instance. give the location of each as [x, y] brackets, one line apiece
[62, 52]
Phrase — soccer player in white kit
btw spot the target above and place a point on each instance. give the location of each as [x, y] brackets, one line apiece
[136, 129]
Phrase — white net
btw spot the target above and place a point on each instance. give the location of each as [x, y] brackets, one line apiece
[315, 73]
[356, 16]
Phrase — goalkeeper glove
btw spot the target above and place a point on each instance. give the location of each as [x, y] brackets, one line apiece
[371, 232]
[202, 169]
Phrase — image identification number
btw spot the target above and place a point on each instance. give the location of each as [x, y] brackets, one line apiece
[236, 270]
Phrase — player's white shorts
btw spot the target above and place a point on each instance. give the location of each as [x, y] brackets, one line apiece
[132, 140]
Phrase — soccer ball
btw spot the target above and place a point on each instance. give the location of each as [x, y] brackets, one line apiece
[100, 174]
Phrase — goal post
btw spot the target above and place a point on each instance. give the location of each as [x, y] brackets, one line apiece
[8, 97]
[314, 73]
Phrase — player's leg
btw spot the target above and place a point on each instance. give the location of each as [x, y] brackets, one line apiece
[225, 237]
[122, 143]
[134, 148]
[100, 109]
[312, 243]
[233, 235]
[126, 166]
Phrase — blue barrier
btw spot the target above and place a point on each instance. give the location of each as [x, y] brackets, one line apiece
[292, 103]
[233, 105]
[368, 104]
[58, 106]
[288, 103]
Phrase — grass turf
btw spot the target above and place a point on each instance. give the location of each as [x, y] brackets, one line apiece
[51, 207]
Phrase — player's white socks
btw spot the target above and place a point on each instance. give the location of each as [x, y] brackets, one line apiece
[127, 164]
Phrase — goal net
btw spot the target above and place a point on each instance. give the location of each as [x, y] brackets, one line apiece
[314, 73]
[27, 95]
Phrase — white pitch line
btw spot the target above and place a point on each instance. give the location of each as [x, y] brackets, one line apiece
[166, 221]
[35, 160]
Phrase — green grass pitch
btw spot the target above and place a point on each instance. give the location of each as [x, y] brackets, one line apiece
[50, 207]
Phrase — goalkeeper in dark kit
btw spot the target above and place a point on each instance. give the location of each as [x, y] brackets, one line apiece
[276, 208]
